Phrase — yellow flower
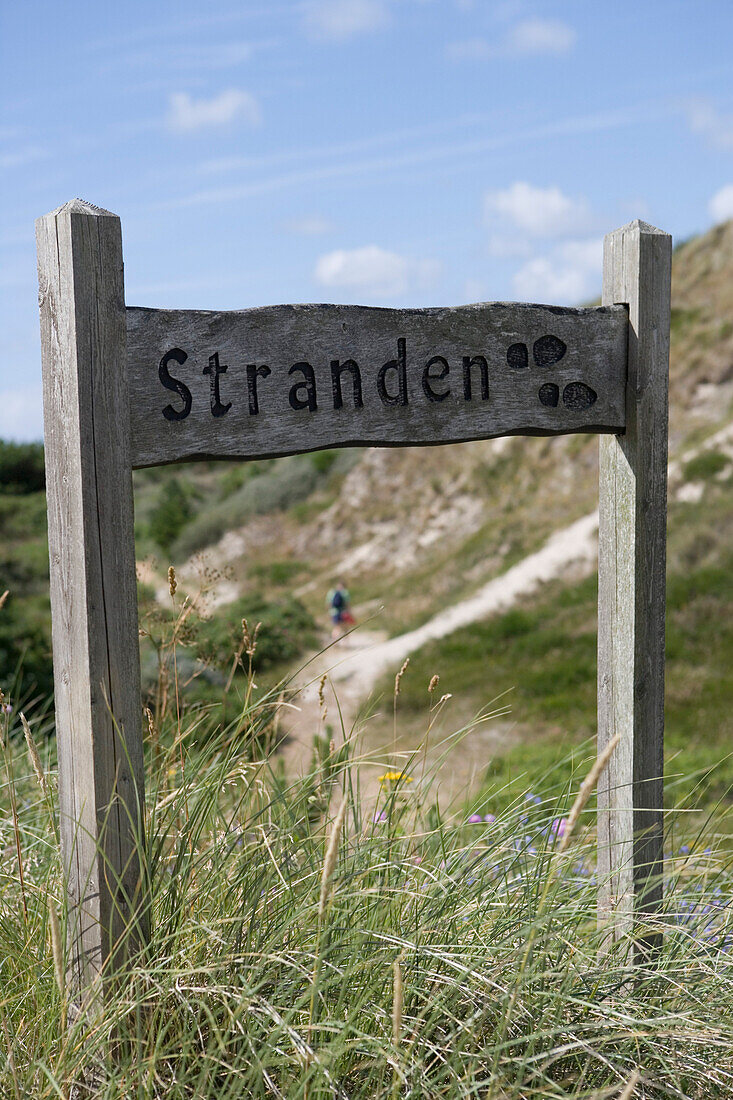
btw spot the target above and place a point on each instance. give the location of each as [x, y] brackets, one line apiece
[394, 777]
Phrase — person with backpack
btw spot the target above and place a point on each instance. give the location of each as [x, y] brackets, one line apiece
[339, 605]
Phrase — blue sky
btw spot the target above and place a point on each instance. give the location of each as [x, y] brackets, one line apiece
[401, 152]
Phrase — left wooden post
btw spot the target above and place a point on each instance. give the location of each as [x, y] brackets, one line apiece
[93, 591]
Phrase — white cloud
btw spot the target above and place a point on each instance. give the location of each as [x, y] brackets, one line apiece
[528, 38]
[313, 226]
[721, 204]
[373, 271]
[703, 119]
[540, 36]
[21, 414]
[536, 211]
[571, 274]
[341, 19]
[186, 113]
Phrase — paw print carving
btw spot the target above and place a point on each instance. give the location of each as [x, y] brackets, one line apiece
[546, 352]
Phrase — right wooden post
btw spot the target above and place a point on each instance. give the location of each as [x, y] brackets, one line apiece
[631, 596]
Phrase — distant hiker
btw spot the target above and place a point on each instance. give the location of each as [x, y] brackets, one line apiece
[339, 605]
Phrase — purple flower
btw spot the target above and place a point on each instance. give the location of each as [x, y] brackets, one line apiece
[489, 819]
[379, 817]
[475, 819]
[558, 827]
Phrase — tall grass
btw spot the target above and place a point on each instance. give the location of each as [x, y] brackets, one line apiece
[306, 944]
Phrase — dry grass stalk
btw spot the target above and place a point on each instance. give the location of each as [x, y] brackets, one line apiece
[11, 1059]
[34, 754]
[630, 1087]
[4, 597]
[151, 722]
[329, 863]
[397, 1000]
[57, 950]
[586, 790]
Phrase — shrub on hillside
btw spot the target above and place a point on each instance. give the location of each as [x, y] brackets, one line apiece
[22, 468]
[281, 485]
[171, 515]
[286, 630]
[705, 465]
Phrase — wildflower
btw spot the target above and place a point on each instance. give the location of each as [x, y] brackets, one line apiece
[379, 817]
[558, 827]
[489, 818]
[395, 777]
[475, 819]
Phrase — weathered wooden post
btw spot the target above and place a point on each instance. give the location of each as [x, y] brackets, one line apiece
[631, 594]
[93, 594]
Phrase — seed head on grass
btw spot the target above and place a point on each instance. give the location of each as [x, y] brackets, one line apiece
[434, 681]
[398, 677]
[172, 582]
[329, 862]
[34, 755]
[250, 639]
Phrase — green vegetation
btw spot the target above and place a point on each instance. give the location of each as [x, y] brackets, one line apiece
[705, 465]
[171, 514]
[285, 631]
[206, 660]
[683, 320]
[25, 625]
[545, 657]
[22, 468]
[307, 945]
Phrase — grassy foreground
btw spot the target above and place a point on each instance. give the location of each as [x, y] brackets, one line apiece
[306, 945]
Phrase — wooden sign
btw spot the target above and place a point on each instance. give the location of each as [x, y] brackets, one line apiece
[283, 379]
[273, 381]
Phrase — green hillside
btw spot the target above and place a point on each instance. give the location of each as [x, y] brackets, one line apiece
[412, 531]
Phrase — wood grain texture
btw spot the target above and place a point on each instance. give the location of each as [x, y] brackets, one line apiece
[631, 597]
[533, 354]
[93, 590]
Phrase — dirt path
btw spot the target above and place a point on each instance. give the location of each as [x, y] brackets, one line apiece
[355, 665]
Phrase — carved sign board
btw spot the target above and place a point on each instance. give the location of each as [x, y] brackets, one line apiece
[286, 379]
